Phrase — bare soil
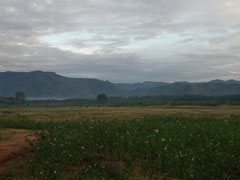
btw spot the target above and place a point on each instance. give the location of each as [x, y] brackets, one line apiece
[13, 141]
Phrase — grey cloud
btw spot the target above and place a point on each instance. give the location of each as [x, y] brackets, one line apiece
[200, 39]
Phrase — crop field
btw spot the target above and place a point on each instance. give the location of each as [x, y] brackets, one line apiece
[125, 143]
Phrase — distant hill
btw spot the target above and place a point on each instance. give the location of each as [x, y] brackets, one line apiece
[43, 85]
[144, 85]
[40, 84]
[215, 87]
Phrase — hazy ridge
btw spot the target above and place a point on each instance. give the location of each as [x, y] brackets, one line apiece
[38, 84]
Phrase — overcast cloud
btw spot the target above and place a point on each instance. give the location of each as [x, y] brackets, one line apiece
[122, 41]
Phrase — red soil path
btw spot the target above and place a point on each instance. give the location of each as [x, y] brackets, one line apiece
[12, 144]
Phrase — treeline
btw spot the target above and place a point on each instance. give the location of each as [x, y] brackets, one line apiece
[146, 100]
[19, 99]
[128, 101]
[7, 101]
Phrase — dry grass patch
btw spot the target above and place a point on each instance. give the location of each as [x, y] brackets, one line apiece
[118, 113]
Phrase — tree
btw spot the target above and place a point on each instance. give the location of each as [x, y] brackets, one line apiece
[102, 98]
[20, 96]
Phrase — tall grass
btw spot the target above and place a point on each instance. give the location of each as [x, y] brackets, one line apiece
[173, 146]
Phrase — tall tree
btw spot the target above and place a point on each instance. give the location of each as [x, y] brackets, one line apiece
[20, 96]
[102, 98]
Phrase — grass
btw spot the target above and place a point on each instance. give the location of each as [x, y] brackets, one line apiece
[163, 145]
[118, 113]
[167, 146]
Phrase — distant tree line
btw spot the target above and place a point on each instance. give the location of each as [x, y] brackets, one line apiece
[18, 99]
[103, 99]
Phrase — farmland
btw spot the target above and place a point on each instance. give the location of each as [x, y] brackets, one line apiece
[160, 142]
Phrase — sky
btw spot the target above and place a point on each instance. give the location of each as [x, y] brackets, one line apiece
[122, 40]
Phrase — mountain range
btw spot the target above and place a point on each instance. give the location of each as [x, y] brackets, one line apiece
[38, 84]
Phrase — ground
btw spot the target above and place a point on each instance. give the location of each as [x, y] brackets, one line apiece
[118, 113]
[12, 140]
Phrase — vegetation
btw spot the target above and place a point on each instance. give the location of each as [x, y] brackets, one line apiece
[20, 96]
[131, 101]
[102, 98]
[156, 146]
[7, 101]
[118, 113]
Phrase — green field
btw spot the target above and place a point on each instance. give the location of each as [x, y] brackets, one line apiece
[127, 143]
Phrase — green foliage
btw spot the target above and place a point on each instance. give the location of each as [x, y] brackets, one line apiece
[102, 98]
[149, 100]
[7, 101]
[174, 146]
[132, 101]
[22, 122]
[20, 96]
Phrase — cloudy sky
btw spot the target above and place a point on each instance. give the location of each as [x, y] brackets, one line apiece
[122, 40]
